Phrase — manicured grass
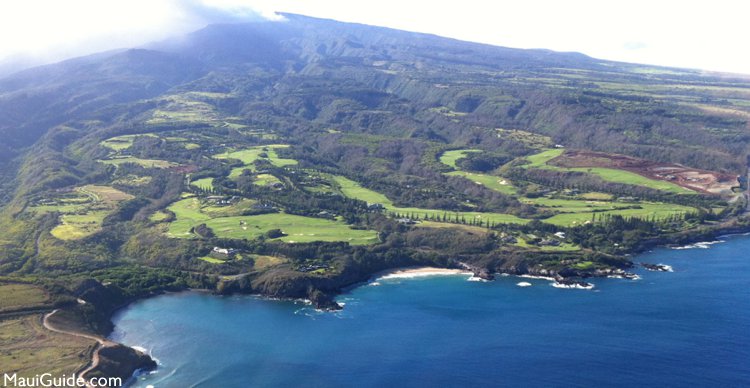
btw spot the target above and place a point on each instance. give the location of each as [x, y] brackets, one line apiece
[235, 209]
[204, 184]
[596, 196]
[265, 180]
[573, 205]
[444, 225]
[184, 107]
[563, 247]
[492, 182]
[14, 296]
[353, 189]
[646, 211]
[631, 178]
[211, 260]
[119, 143]
[147, 163]
[540, 160]
[608, 174]
[250, 155]
[29, 349]
[298, 228]
[450, 158]
[85, 219]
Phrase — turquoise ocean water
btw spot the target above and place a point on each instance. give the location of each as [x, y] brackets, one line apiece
[690, 327]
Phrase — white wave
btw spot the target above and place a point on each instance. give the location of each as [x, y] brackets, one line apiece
[536, 277]
[523, 284]
[667, 268]
[476, 279]
[630, 276]
[375, 283]
[699, 245]
[421, 274]
[588, 286]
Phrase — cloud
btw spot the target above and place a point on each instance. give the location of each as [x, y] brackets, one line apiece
[44, 31]
[634, 45]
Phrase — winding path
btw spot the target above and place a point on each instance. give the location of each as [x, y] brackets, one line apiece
[101, 342]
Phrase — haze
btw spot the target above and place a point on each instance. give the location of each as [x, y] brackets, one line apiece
[696, 34]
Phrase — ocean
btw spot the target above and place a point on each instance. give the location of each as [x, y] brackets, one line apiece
[690, 327]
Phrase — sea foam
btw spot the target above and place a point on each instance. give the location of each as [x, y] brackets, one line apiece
[699, 245]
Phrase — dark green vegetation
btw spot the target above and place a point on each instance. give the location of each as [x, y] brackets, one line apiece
[293, 159]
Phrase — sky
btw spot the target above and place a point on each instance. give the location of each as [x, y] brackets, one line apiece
[699, 34]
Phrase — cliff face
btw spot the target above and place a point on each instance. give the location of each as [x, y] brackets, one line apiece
[121, 361]
[285, 282]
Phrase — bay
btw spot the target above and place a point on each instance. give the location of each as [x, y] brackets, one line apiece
[690, 327]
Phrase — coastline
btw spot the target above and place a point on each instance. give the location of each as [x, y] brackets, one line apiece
[709, 235]
[416, 272]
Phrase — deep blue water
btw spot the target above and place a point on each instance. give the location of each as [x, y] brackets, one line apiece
[686, 328]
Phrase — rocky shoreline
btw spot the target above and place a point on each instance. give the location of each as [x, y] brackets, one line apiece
[321, 292]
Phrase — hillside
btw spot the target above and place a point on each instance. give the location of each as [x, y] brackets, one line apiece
[296, 158]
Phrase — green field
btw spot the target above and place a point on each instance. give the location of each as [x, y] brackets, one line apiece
[564, 247]
[265, 180]
[608, 174]
[353, 189]
[450, 158]
[14, 296]
[82, 210]
[187, 107]
[496, 183]
[540, 160]
[147, 163]
[631, 178]
[492, 182]
[204, 184]
[119, 143]
[250, 155]
[190, 213]
[646, 211]
[212, 260]
[29, 349]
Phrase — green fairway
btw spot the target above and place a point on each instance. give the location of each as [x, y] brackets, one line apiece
[492, 182]
[119, 143]
[147, 163]
[631, 178]
[85, 218]
[645, 211]
[267, 152]
[189, 213]
[265, 180]
[353, 189]
[212, 260]
[540, 160]
[450, 158]
[608, 174]
[204, 184]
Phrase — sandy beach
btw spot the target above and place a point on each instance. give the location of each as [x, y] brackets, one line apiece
[420, 272]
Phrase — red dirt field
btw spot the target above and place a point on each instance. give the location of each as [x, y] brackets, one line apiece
[703, 181]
